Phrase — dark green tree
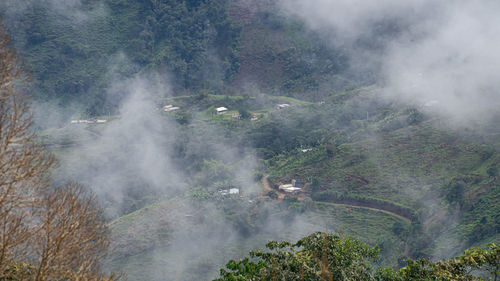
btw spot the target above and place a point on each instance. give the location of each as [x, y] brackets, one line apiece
[319, 256]
[244, 113]
[273, 195]
[492, 171]
[322, 256]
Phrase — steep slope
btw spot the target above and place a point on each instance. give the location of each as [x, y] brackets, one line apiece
[191, 240]
[77, 52]
[444, 180]
[282, 57]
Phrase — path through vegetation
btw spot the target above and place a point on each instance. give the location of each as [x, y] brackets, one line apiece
[281, 195]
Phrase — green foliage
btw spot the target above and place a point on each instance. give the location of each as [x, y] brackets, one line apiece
[318, 256]
[366, 201]
[273, 195]
[455, 191]
[18, 271]
[77, 61]
[182, 37]
[196, 42]
[315, 186]
[183, 117]
[473, 264]
[244, 113]
[482, 219]
[323, 256]
[414, 116]
[397, 228]
[284, 56]
[492, 171]
[369, 162]
[214, 174]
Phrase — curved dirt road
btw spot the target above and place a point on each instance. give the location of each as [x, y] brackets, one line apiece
[281, 195]
[268, 187]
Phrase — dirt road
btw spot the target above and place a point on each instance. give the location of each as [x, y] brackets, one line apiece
[267, 186]
[281, 195]
[368, 208]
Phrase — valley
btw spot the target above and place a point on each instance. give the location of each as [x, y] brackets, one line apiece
[207, 128]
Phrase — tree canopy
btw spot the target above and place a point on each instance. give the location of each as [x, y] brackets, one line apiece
[326, 256]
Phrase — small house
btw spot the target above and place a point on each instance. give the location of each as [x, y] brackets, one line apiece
[223, 192]
[168, 108]
[83, 121]
[282, 106]
[293, 189]
[231, 191]
[290, 188]
[221, 110]
[174, 108]
[285, 186]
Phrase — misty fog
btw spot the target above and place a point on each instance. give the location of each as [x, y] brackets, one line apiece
[436, 53]
[160, 180]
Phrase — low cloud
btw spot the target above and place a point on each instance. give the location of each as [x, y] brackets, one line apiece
[130, 153]
[438, 54]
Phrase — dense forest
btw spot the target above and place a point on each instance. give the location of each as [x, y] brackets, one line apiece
[188, 119]
[197, 42]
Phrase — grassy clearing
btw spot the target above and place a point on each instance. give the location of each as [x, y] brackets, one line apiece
[172, 237]
[292, 101]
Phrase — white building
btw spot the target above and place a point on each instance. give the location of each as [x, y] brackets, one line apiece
[290, 188]
[173, 108]
[89, 121]
[168, 108]
[220, 110]
[282, 106]
[231, 191]
[82, 121]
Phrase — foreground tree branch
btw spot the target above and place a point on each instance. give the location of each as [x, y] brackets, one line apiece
[23, 163]
[73, 235]
[46, 233]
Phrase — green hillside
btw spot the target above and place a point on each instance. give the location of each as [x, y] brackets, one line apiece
[197, 46]
[442, 180]
[77, 61]
[164, 160]
[396, 179]
[171, 233]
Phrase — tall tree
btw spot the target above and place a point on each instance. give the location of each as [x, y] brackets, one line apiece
[46, 233]
[328, 257]
[72, 236]
[22, 162]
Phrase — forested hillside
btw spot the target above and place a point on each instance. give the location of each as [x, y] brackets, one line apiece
[214, 46]
[208, 127]
[75, 55]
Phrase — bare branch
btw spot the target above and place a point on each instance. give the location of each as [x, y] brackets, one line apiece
[47, 233]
